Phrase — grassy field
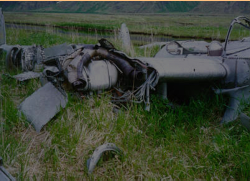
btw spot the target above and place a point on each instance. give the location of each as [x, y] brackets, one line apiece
[176, 25]
[185, 143]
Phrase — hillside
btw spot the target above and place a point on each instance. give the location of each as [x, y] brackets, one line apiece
[123, 7]
[109, 7]
[242, 7]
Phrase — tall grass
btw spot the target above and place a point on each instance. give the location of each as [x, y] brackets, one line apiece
[176, 25]
[181, 142]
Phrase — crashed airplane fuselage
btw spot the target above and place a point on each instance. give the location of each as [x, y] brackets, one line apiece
[86, 68]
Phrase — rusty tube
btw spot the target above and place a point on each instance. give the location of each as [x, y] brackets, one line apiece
[81, 82]
[121, 63]
[91, 51]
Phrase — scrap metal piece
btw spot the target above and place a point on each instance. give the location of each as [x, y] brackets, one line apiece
[57, 51]
[187, 69]
[101, 75]
[26, 76]
[86, 75]
[239, 97]
[50, 71]
[245, 121]
[241, 20]
[30, 57]
[106, 44]
[215, 48]
[43, 105]
[4, 174]
[237, 72]
[92, 161]
[154, 44]
[125, 37]
[2, 29]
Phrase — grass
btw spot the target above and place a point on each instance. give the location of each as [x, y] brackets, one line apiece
[176, 25]
[186, 142]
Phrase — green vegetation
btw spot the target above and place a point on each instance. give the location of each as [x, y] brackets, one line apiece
[176, 25]
[135, 7]
[101, 27]
[100, 7]
[186, 142]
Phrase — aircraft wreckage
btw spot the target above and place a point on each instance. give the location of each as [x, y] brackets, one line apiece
[86, 68]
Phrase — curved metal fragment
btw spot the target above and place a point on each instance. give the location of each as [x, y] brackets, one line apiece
[245, 121]
[92, 161]
[241, 20]
[239, 98]
[4, 174]
[27, 75]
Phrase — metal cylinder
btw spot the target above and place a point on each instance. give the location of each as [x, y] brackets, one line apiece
[127, 69]
[100, 75]
[187, 69]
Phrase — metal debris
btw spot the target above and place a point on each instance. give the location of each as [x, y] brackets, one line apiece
[159, 44]
[43, 105]
[57, 50]
[245, 121]
[125, 37]
[27, 75]
[93, 160]
[2, 29]
[4, 174]
[86, 68]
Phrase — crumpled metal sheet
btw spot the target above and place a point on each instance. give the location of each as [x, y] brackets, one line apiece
[57, 51]
[50, 70]
[195, 46]
[2, 29]
[27, 75]
[163, 53]
[160, 44]
[43, 105]
[92, 161]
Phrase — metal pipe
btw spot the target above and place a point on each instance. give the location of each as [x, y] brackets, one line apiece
[100, 75]
[187, 69]
[236, 20]
[81, 81]
[120, 62]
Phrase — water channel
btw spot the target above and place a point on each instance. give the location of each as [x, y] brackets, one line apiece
[137, 39]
